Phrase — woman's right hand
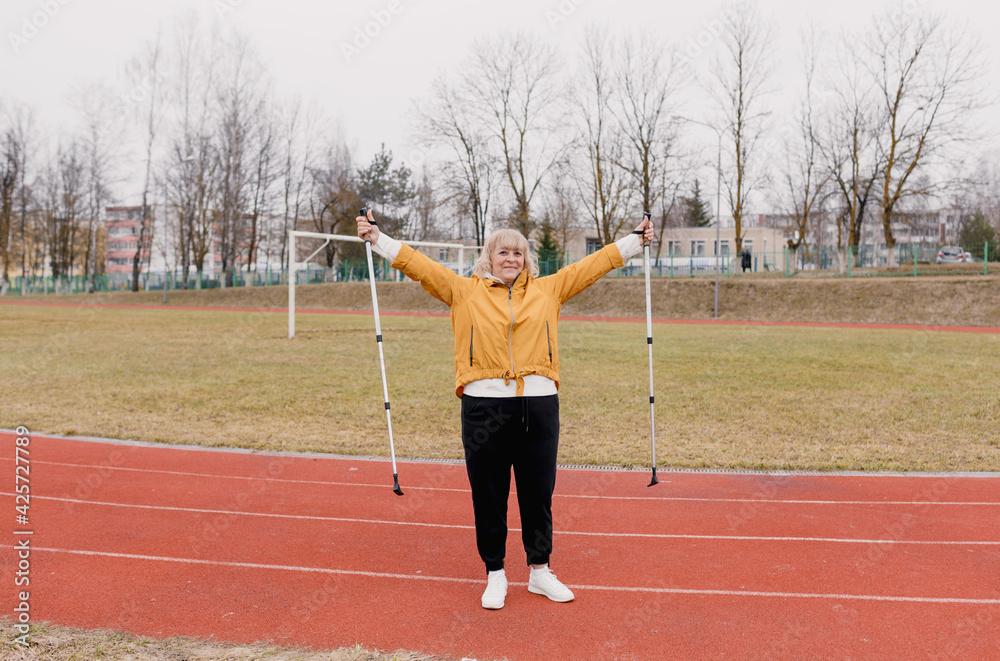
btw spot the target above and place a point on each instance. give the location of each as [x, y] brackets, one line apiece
[366, 230]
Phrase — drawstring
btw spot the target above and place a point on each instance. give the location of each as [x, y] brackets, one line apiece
[509, 376]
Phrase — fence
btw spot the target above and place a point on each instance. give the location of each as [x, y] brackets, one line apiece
[904, 259]
[860, 261]
[855, 261]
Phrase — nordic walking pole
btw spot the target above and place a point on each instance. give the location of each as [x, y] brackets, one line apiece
[381, 357]
[649, 342]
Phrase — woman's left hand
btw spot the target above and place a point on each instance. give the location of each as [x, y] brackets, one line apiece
[648, 233]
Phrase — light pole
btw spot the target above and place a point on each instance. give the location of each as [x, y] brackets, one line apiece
[718, 205]
[718, 222]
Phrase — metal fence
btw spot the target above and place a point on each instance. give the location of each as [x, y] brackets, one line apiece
[855, 261]
[861, 261]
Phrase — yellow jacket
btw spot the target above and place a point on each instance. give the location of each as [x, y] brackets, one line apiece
[503, 333]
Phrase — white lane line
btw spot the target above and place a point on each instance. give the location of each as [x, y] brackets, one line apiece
[479, 582]
[305, 517]
[921, 503]
[167, 508]
[261, 478]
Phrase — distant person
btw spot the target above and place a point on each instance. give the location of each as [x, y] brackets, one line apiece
[505, 321]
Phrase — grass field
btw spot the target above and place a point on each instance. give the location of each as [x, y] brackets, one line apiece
[730, 397]
[948, 300]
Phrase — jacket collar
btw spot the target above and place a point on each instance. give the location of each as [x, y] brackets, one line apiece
[519, 282]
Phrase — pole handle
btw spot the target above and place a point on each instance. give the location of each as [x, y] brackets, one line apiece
[371, 221]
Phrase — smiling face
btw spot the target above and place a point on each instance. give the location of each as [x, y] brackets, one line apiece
[507, 263]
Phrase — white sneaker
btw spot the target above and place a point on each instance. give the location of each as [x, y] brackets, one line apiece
[496, 590]
[544, 582]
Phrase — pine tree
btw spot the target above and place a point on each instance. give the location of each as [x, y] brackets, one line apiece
[696, 212]
[975, 232]
[389, 191]
[549, 254]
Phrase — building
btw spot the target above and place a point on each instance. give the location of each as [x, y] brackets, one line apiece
[695, 249]
[160, 254]
[123, 226]
[922, 228]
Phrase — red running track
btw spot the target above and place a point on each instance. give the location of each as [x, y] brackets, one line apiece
[315, 551]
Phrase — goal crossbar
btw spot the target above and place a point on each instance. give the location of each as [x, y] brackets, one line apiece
[294, 265]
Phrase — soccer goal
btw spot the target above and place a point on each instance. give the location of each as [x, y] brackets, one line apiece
[455, 256]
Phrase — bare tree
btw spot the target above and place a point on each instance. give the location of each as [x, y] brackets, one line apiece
[264, 175]
[144, 71]
[650, 78]
[63, 208]
[22, 120]
[16, 143]
[241, 99]
[741, 76]
[515, 89]
[805, 173]
[927, 76]
[190, 171]
[668, 196]
[100, 138]
[11, 160]
[851, 146]
[302, 132]
[425, 209]
[17, 130]
[986, 190]
[562, 209]
[600, 178]
[469, 169]
[333, 197]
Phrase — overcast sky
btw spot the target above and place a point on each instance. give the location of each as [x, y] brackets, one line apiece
[369, 91]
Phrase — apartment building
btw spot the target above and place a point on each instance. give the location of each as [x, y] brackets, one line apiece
[123, 226]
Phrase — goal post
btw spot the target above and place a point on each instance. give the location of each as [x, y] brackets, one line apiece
[294, 265]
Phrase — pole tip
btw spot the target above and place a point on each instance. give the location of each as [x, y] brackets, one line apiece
[654, 481]
[395, 485]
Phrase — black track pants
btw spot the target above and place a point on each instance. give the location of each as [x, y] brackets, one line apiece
[518, 432]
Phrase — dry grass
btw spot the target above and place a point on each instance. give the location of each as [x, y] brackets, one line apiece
[951, 299]
[55, 643]
[727, 397]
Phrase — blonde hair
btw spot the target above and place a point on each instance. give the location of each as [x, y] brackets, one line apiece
[510, 239]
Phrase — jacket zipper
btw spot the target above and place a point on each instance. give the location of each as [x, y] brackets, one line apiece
[548, 341]
[472, 330]
[510, 334]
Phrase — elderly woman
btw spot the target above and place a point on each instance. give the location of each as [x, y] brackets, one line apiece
[505, 319]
